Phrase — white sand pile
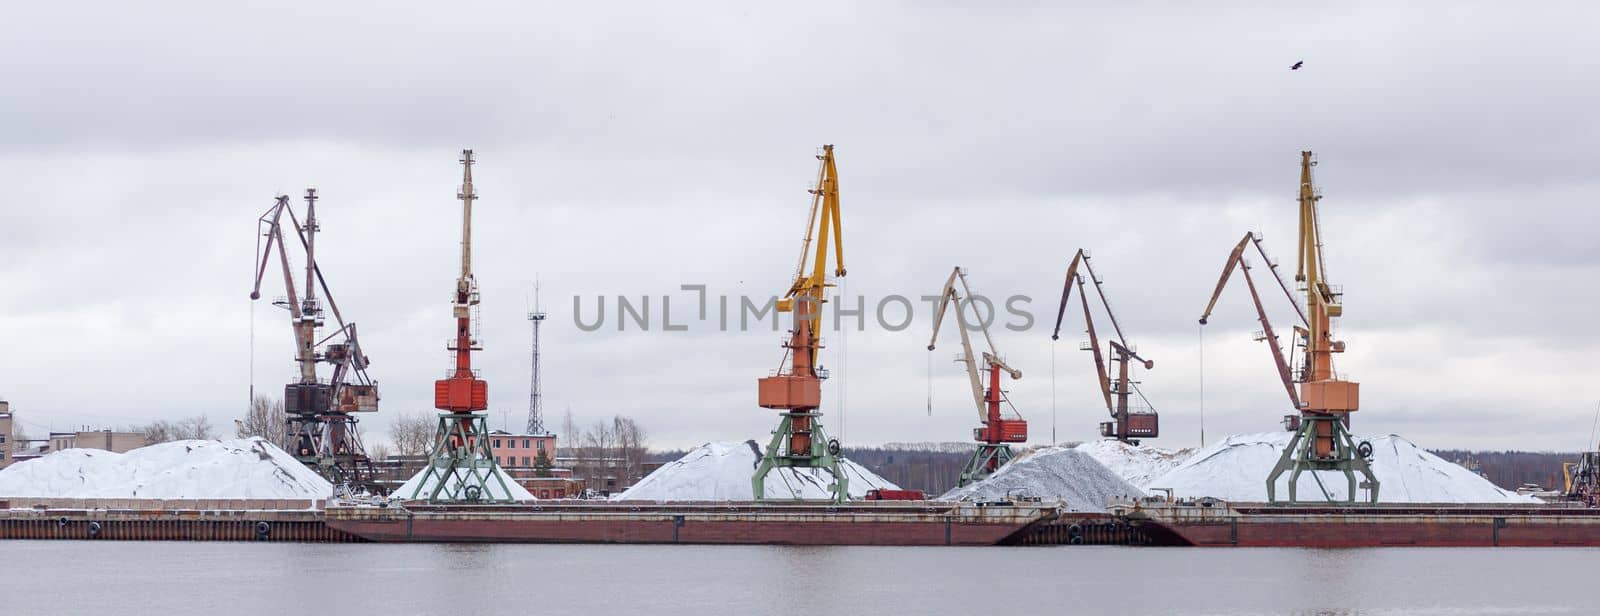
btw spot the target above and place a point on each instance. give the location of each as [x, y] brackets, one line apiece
[1236, 469]
[511, 490]
[244, 468]
[1062, 474]
[720, 471]
[1136, 464]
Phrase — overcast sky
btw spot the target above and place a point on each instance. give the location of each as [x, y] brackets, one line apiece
[630, 150]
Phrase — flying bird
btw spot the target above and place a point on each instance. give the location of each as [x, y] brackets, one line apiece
[1297, 65]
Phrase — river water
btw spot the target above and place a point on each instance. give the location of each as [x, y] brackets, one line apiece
[240, 579]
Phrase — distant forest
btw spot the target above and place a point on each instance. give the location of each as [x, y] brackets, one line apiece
[934, 467]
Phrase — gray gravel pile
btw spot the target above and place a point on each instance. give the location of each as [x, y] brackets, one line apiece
[1072, 477]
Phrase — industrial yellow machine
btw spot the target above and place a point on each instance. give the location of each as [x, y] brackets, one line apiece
[795, 388]
[1323, 401]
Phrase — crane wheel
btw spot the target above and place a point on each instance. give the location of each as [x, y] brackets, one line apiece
[1365, 450]
[833, 447]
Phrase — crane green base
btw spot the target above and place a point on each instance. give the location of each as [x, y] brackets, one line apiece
[977, 468]
[1300, 456]
[461, 467]
[820, 456]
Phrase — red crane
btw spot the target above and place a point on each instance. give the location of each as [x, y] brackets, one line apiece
[998, 430]
[461, 466]
[1127, 422]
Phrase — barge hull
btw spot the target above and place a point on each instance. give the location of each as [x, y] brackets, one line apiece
[742, 525]
[1381, 526]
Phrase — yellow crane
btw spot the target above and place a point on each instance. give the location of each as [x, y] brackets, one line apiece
[1323, 401]
[795, 388]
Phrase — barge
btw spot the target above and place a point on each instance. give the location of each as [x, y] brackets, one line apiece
[900, 523]
[1212, 522]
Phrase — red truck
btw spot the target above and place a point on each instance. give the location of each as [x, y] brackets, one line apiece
[896, 495]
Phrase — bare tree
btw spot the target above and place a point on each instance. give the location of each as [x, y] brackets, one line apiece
[630, 448]
[163, 431]
[569, 436]
[412, 433]
[378, 452]
[267, 420]
[19, 438]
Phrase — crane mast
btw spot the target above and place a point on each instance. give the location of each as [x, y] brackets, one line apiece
[1322, 400]
[795, 389]
[1127, 422]
[997, 431]
[461, 466]
[320, 427]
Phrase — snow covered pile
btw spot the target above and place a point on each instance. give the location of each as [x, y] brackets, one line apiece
[1236, 469]
[1063, 474]
[243, 468]
[720, 471]
[1136, 464]
[427, 481]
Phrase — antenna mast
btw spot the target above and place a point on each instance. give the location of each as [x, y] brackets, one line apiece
[535, 391]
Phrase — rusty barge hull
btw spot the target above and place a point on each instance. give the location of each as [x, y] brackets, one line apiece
[1260, 525]
[919, 524]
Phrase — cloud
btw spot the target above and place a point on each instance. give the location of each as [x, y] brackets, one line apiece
[630, 152]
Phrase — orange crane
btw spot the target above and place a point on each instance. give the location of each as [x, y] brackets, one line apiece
[1127, 423]
[998, 431]
[796, 387]
[1323, 401]
[321, 429]
[461, 466]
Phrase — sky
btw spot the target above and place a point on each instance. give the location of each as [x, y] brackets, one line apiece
[626, 150]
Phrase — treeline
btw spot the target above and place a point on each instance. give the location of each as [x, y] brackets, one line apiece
[1510, 469]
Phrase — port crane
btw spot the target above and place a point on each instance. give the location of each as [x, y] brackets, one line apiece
[461, 466]
[795, 388]
[1128, 424]
[998, 430]
[321, 425]
[1322, 399]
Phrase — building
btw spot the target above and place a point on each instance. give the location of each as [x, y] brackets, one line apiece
[521, 450]
[104, 440]
[5, 434]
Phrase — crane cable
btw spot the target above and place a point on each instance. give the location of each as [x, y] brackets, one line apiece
[844, 354]
[1053, 440]
[1202, 331]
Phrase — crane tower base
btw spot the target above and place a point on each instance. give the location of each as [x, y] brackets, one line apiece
[461, 467]
[987, 459]
[1336, 451]
[816, 451]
